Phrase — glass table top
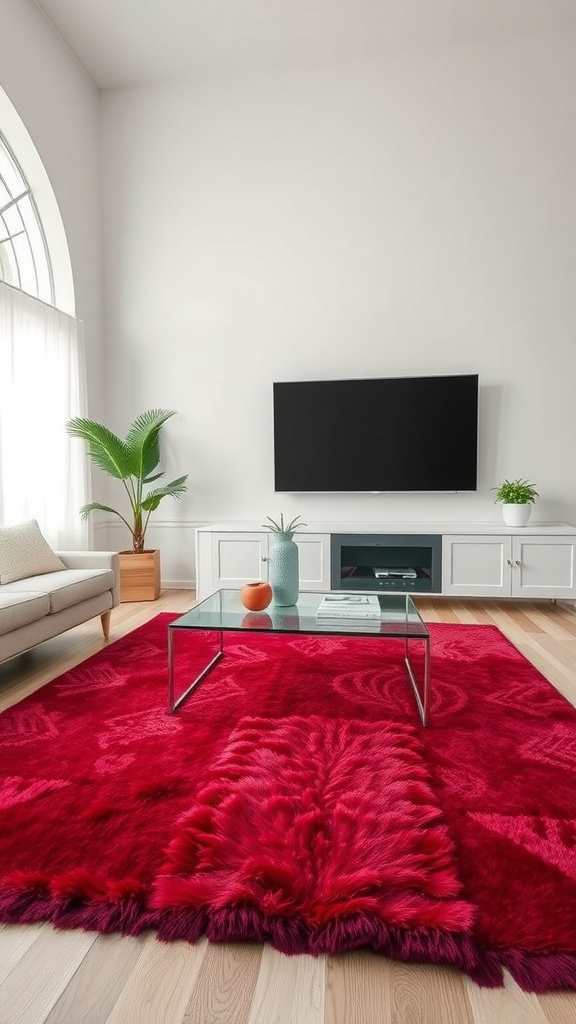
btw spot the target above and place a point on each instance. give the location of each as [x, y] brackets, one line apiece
[224, 610]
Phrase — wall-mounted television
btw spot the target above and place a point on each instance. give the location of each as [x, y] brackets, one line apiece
[376, 434]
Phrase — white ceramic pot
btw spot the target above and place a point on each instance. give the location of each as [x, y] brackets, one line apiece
[516, 515]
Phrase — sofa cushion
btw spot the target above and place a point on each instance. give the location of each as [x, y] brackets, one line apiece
[66, 588]
[24, 552]
[21, 609]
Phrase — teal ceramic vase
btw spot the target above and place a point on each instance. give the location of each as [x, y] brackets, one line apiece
[284, 570]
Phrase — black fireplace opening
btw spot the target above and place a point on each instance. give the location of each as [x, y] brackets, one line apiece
[387, 562]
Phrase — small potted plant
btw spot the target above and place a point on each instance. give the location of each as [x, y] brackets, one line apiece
[279, 526]
[284, 560]
[516, 498]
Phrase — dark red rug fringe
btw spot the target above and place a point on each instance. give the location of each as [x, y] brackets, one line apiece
[488, 971]
[540, 972]
[237, 924]
[356, 932]
[430, 945]
[100, 915]
[186, 925]
[27, 906]
[292, 936]
[533, 972]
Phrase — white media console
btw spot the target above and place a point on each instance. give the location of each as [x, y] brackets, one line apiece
[449, 559]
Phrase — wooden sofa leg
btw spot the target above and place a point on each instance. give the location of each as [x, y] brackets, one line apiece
[106, 623]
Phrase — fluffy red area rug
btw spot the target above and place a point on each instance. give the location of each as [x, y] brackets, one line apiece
[296, 799]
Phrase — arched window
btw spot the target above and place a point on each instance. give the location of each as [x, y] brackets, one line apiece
[24, 257]
[42, 374]
[34, 254]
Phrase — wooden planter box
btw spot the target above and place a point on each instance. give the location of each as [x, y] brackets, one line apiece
[139, 576]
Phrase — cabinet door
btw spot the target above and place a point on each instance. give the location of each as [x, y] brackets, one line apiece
[544, 567]
[226, 561]
[313, 561]
[477, 566]
[233, 560]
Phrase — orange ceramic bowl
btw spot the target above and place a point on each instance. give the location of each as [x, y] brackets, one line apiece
[256, 596]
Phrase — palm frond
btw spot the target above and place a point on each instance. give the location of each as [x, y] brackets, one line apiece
[174, 489]
[95, 506]
[143, 440]
[108, 451]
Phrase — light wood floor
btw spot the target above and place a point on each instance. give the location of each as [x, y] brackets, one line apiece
[75, 977]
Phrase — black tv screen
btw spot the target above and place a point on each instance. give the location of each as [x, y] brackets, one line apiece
[380, 434]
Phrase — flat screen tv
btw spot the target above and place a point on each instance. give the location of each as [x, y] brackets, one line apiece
[376, 434]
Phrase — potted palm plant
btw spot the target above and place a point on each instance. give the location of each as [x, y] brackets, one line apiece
[132, 460]
[516, 498]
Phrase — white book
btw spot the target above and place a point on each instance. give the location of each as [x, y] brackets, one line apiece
[344, 623]
[349, 606]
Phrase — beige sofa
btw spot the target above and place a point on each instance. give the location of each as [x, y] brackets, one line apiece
[42, 606]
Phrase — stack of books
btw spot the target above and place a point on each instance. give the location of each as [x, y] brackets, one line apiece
[349, 606]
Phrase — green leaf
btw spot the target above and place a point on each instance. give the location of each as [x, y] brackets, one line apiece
[172, 490]
[143, 441]
[272, 525]
[95, 506]
[294, 525]
[106, 449]
[281, 527]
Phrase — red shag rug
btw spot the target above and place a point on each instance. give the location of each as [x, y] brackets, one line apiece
[295, 799]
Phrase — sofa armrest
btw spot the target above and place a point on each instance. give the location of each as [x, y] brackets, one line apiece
[95, 560]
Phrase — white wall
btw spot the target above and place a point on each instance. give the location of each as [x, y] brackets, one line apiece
[414, 217]
[59, 107]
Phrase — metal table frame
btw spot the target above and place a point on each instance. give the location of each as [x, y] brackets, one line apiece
[422, 696]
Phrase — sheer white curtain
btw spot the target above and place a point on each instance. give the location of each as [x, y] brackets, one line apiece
[43, 472]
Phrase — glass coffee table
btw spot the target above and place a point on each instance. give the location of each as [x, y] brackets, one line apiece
[223, 612]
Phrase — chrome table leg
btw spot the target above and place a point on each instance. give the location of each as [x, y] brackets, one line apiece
[422, 700]
[175, 702]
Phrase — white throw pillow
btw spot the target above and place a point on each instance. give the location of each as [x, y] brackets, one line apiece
[24, 552]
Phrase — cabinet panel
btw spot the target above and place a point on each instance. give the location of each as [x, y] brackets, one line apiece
[543, 567]
[314, 561]
[476, 566]
[227, 561]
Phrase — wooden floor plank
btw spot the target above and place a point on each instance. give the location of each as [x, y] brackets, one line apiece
[15, 941]
[289, 990]
[94, 989]
[40, 977]
[558, 1007]
[422, 994]
[159, 987]
[358, 989]
[478, 613]
[504, 1006]
[225, 986]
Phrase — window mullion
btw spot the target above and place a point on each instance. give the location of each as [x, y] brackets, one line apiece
[14, 201]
